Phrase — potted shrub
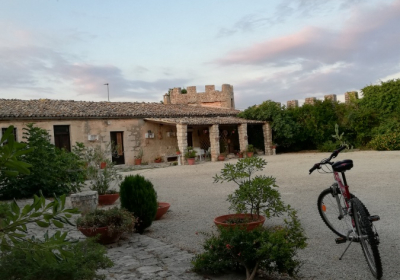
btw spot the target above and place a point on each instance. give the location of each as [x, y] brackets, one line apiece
[255, 196]
[102, 180]
[190, 155]
[138, 157]
[162, 209]
[109, 224]
[221, 157]
[240, 154]
[178, 152]
[138, 196]
[272, 249]
[250, 150]
[158, 159]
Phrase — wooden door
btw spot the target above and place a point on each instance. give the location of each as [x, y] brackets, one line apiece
[117, 140]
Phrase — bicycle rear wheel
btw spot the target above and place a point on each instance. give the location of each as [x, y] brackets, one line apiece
[328, 209]
[368, 236]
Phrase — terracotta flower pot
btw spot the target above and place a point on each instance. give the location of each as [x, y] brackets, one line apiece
[250, 154]
[178, 153]
[191, 161]
[103, 165]
[104, 238]
[138, 161]
[221, 158]
[157, 160]
[162, 209]
[250, 225]
[108, 199]
[240, 155]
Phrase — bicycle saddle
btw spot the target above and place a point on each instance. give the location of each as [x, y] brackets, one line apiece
[342, 165]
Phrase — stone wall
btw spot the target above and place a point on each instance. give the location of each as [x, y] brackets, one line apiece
[210, 98]
[134, 131]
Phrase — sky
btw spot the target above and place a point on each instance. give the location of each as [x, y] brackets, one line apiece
[268, 50]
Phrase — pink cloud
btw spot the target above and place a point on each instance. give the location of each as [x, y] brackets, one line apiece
[361, 30]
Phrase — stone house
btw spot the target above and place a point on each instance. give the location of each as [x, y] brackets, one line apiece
[158, 129]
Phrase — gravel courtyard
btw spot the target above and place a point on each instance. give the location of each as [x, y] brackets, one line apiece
[375, 179]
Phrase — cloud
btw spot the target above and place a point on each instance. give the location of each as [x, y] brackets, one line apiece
[285, 10]
[30, 69]
[317, 61]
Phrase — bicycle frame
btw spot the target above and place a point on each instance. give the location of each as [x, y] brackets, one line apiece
[344, 189]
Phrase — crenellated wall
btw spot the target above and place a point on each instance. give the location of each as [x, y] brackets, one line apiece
[210, 98]
[311, 100]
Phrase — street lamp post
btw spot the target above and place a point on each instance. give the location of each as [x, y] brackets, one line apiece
[108, 92]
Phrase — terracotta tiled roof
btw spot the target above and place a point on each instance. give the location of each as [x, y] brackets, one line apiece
[47, 108]
[203, 120]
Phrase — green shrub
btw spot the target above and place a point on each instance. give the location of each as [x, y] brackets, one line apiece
[137, 195]
[328, 146]
[86, 257]
[386, 142]
[116, 219]
[268, 249]
[53, 171]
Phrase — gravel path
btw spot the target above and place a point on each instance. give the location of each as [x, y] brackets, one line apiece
[196, 200]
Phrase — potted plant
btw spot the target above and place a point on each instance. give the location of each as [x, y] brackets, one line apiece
[178, 152]
[267, 249]
[158, 159]
[162, 209]
[102, 180]
[109, 224]
[255, 196]
[240, 154]
[138, 157]
[221, 157]
[190, 155]
[250, 150]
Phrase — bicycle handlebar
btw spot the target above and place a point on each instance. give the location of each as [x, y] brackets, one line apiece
[325, 161]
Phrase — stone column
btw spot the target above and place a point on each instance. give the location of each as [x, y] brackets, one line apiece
[214, 141]
[267, 138]
[181, 135]
[243, 142]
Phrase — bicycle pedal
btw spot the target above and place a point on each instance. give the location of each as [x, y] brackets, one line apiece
[340, 240]
[374, 218]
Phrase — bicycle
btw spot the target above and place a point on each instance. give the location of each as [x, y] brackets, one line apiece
[346, 215]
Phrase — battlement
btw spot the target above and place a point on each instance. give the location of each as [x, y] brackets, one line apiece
[209, 98]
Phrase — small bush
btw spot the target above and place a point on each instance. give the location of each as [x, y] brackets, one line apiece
[138, 196]
[386, 142]
[268, 249]
[86, 257]
[328, 146]
[116, 219]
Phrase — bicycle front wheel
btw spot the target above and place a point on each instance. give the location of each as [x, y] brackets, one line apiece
[335, 216]
[369, 239]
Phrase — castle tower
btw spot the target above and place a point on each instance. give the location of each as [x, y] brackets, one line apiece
[224, 98]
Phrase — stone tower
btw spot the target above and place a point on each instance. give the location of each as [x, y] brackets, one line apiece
[210, 98]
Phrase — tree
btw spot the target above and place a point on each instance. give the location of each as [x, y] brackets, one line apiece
[53, 171]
